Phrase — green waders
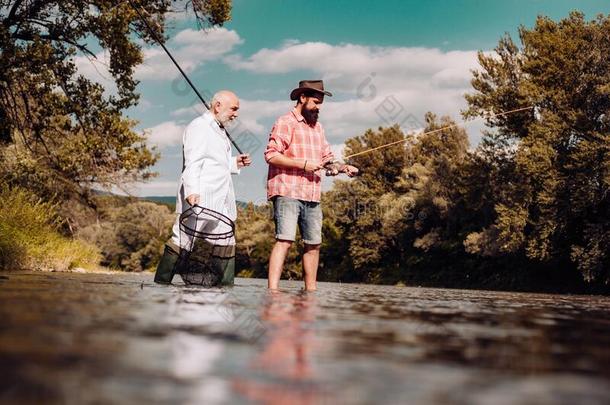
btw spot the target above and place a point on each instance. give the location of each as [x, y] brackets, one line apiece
[165, 268]
[223, 260]
[219, 265]
[228, 269]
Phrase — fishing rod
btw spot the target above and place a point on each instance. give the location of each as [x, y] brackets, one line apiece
[156, 38]
[387, 145]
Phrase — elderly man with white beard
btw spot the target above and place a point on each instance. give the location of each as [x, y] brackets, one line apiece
[206, 177]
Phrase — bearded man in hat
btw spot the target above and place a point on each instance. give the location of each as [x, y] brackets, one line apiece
[297, 152]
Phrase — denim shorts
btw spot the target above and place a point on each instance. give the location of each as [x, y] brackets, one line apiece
[290, 212]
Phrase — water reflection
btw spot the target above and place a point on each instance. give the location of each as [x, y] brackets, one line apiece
[283, 370]
[121, 339]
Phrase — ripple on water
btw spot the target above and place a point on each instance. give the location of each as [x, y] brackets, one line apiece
[120, 338]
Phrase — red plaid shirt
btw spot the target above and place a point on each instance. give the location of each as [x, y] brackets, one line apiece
[292, 137]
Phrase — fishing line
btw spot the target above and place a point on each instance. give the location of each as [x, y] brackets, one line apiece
[438, 130]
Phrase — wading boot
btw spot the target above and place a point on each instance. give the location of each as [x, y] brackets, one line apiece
[228, 270]
[165, 268]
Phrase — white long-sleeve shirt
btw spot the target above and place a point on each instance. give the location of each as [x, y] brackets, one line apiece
[208, 166]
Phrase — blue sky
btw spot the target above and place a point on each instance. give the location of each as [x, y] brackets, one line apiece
[385, 62]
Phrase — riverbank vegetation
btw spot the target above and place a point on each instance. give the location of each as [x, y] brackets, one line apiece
[30, 236]
[528, 208]
[129, 233]
[63, 136]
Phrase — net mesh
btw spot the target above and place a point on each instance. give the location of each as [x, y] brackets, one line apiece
[207, 244]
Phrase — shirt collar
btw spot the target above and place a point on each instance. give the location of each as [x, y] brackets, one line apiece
[297, 115]
[213, 119]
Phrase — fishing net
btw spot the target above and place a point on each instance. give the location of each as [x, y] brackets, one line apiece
[207, 248]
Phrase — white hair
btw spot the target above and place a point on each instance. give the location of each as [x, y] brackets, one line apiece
[216, 98]
[221, 96]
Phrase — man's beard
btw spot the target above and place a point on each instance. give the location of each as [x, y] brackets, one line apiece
[311, 116]
[225, 121]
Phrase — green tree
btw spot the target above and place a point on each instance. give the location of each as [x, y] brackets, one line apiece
[60, 134]
[399, 212]
[554, 206]
[353, 207]
[131, 237]
[426, 191]
[255, 233]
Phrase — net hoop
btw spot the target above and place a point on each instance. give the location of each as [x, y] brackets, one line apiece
[198, 211]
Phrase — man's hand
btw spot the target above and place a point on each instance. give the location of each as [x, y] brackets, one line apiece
[193, 199]
[311, 166]
[350, 170]
[332, 169]
[243, 160]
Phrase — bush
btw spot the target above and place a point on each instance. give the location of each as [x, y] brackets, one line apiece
[29, 237]
[131, 236]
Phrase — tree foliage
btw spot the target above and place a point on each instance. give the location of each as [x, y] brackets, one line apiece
[555, 207]
[399, 209]
[130, 235]
[61, 133]
[528, 208]
[256, 236]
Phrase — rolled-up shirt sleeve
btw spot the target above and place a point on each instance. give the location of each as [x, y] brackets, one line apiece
[193, 141]
[279, 140]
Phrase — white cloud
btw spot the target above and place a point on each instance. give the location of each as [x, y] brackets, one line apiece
[167, 133]
[349, 64]
[156, 188]
[96, 69]
[251, 112]
[374, 86]
[179, 15]
[189, 112]
[144, 105]
[192, 49]
[337, 150]
[291, 56]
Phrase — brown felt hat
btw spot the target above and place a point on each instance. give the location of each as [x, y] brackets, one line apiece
[309, 85]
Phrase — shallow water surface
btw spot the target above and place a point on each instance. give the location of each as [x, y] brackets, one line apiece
[68, 338]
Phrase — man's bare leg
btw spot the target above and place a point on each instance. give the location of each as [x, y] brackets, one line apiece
[276, 262]
[311, 257]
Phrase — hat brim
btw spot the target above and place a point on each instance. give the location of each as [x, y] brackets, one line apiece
[294, 94]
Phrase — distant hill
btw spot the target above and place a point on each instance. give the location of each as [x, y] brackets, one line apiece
[171, 201]
[168, 200]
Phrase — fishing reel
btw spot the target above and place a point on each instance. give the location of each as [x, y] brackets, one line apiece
[334, 167]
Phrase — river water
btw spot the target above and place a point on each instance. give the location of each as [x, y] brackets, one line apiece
[69, 338]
